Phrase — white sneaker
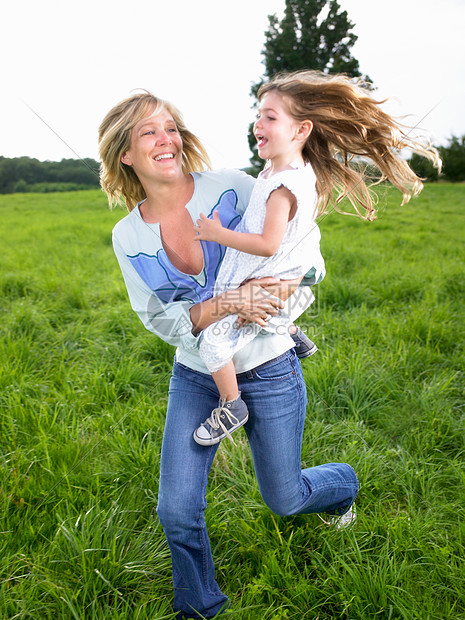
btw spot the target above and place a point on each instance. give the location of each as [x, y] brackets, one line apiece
[341, 521]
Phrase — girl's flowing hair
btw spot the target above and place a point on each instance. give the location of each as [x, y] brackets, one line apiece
[118, 180]
[348, 123]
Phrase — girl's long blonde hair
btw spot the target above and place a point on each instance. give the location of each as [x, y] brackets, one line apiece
[348, 123]
[118, 180]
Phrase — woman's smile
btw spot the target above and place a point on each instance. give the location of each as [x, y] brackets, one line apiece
[163, 156]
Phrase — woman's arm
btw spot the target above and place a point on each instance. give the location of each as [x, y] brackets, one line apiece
[278, 208]
[179, 322]
[252, 302]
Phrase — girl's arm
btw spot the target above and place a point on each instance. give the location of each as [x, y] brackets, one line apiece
[179, 322]
[278, 209]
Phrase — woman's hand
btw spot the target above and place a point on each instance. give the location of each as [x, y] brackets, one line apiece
[251, 302]
[254, 303]
[208, 230]
[277, 288]
[280, 288]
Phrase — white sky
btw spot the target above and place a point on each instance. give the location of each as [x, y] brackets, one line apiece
[72, 61]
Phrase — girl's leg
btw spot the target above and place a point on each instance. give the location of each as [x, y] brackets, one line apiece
[276, 397]
[181, 501]
[226, 382]
[231, 414]
[221, 340]
[232, 411]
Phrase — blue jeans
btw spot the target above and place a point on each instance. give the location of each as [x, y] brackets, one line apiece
[276, 397]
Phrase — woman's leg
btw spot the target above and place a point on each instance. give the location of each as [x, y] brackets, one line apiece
[181, 501]
[276, 397]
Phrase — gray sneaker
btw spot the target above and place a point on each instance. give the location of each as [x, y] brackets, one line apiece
[303, 346]
[224, 420]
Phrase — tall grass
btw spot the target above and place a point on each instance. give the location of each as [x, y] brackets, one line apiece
[83, 393]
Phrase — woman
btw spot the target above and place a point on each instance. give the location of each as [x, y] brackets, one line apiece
[150, 159]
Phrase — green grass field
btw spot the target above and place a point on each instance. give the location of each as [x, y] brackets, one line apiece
[83, 390]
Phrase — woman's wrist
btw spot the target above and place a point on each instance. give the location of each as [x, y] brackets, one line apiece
[212, 310]
[225, 304]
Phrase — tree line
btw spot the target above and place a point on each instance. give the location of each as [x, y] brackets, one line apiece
[26, 174]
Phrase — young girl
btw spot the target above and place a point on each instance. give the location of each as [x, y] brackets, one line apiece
[309, 127]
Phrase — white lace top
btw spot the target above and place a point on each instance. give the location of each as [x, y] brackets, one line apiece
[300, 249]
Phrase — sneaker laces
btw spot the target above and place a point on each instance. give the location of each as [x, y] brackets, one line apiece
[324, 520]
[339, 521]
[216, 422]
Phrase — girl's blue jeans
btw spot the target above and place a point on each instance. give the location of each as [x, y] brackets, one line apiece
[276, 398]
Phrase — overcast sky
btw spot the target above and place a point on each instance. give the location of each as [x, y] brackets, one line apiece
[72, 61]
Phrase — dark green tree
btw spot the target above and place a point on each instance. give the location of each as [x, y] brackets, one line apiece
[423, 167]
[453, 158]
[453, 162]
[313, 34]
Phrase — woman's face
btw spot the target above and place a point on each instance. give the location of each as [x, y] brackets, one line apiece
[156, 148]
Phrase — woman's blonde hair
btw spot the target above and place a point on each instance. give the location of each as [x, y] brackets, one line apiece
[348, 123]
[118, 180]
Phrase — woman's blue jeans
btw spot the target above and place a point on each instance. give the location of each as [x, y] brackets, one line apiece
[276, 398]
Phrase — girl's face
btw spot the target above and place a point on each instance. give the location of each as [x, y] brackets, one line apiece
[156, 148]
[275, 129]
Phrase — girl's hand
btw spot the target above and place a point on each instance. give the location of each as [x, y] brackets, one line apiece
[208, 230]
